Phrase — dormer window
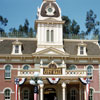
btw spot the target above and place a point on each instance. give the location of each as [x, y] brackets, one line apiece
[82, 49]
[17, 48]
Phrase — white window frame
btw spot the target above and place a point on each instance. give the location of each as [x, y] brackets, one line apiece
[19, 49]
[82, 50]
[7, 72]
[91, 71]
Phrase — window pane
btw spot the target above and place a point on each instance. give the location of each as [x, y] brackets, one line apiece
[7, 94]
[81, 50]
[72, 67]
[17, 49]
[47, 35]
[89, 70]
[26, 67]
[52, 37]
[91, 94]
[7, 71]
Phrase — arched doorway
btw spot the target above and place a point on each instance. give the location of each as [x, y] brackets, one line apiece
[50, 94]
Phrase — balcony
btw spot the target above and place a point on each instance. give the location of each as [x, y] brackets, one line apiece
[59, 72]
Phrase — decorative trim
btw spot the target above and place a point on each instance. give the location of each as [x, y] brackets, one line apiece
[53, 80]
[84, 80]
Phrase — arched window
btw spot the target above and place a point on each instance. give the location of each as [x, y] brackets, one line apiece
[7, 94]
[89, 70]
[26, 67]
[72, 67]
[7, 71]
[91, 94]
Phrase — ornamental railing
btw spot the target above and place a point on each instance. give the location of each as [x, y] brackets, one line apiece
[53, 72]
[76, 72]
[26, 72]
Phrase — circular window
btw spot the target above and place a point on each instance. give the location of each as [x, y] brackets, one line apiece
[50, 10]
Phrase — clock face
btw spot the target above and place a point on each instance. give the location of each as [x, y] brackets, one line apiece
[50, 9]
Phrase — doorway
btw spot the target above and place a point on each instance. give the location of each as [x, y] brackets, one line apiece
[50, 94]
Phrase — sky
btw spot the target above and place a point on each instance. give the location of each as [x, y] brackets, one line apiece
[16, 11]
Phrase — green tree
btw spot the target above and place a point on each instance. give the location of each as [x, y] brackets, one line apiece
[91, 23]
[70, 28]
[3, 23]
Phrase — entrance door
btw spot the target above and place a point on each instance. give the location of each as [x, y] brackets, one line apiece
[50, 94]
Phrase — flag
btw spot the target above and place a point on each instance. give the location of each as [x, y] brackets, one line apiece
[16, 88]
[86, 81]
[18, 81]
[35, 93]
[87, 88]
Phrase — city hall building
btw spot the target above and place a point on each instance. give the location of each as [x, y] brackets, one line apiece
[62, 64]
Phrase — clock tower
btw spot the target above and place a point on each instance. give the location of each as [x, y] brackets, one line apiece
[49, 26]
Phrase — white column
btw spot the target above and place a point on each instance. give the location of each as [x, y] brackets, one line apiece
[63, 91]
[41, 91]
[63, 68]
[19, 93]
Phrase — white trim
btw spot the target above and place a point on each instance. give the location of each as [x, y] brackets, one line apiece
[89, 65]
[6, 89]
[8, 64]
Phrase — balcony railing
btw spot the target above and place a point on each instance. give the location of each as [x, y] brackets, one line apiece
[68, 73]
[76, 72]
[26, 73]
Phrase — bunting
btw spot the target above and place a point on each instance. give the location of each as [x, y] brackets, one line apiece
[18, 81]
[53, 80]
[86, 81]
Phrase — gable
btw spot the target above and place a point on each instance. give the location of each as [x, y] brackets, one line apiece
[51, 51]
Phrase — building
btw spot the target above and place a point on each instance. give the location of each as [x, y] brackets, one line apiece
[60, 62]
